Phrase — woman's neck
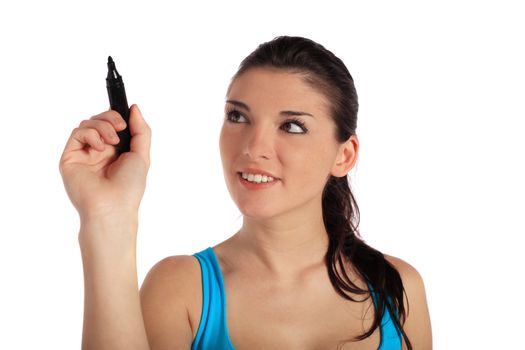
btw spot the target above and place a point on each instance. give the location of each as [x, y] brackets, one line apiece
[284, 247]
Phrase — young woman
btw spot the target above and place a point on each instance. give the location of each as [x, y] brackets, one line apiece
[296, 275]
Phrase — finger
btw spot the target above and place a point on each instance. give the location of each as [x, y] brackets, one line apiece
[113, 117]
[140, 133]
[104, 128]
[82, 137]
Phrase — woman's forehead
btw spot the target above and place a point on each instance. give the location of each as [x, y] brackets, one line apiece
[263, 86]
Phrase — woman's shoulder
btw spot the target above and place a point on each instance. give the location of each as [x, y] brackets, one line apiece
[409, 274]
[411, 278]
[176, 271]
[176, 281]
[176, 278]
[417, 325]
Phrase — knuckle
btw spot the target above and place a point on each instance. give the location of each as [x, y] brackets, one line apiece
[107, 115]
[114, 115]
[92, 132]
[98, 116]
[103, 126]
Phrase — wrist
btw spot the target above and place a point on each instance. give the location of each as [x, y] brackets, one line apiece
[109, 231]
[106, 218]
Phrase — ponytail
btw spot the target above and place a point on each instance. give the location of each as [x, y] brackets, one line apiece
[341, 219]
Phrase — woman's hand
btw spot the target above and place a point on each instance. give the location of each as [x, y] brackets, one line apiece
[98, 181]
[106, 189]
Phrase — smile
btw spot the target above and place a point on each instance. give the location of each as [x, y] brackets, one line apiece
[256, 181]
[257, 178]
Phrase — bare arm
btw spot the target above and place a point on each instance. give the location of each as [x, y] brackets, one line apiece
[112, 311]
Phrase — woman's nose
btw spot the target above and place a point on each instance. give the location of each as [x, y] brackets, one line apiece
[259, 143]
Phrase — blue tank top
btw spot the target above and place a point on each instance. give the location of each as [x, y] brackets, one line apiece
[213, 330]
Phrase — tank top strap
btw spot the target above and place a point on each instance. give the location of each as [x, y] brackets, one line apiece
[213, 330]
[391, 338]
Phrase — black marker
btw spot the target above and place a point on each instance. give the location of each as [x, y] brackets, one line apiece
[118, 102]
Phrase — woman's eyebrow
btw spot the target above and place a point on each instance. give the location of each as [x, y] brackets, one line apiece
[283, 113]
[239, 104]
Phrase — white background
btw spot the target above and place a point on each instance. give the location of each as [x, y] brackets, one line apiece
[439, 180]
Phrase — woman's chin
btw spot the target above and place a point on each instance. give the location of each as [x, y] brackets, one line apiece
[258, 211]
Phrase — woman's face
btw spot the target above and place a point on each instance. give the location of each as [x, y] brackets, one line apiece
[261, 132]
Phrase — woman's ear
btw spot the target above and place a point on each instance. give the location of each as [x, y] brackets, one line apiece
[346, 157]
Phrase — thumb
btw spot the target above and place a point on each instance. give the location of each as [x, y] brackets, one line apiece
[140, 133]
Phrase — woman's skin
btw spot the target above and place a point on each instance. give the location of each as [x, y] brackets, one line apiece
[106, 193]
[282, 239]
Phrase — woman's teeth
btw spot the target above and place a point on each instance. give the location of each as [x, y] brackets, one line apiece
[258, 178]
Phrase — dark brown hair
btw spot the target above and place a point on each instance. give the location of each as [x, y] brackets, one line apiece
[329, 75]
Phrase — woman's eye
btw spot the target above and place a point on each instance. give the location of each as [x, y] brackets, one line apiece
[234, 116]
[295, 127]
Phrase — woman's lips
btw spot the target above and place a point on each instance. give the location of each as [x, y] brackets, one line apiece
[257, 171]
[254, 185]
